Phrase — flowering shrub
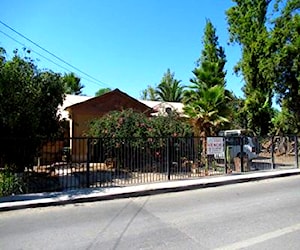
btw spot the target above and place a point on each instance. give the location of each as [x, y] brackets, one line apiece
[131, 124]
[121, 132]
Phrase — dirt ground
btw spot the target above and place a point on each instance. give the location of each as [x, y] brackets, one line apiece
[283, 158]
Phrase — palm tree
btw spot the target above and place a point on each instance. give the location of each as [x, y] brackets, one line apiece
[204, 105]
[72, 84]
[169, 89]
[206, 100]
[149, 94]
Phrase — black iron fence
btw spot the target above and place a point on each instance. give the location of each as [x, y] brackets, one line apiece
[104, 162]
[277, 152]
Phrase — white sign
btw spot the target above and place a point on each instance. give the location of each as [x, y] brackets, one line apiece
[215, 145]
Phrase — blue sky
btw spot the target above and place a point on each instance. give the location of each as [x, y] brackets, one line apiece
[125, 44]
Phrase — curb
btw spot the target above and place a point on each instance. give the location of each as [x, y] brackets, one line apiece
[145, 190]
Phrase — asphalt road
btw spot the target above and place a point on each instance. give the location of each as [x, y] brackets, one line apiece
[254, 215]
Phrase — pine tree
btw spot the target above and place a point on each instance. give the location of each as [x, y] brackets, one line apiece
[206, 100]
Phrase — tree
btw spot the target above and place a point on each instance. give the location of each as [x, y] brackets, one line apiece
[72, 84]
[213, 58]
[169, 89]
[102, 91]
[204, 107]
[247, 27]
[206, 99]
[284, 122]
[238, 117]
[149, 94]
[286, 43]
[29, 100]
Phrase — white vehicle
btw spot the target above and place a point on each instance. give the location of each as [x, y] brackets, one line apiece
[233, 143]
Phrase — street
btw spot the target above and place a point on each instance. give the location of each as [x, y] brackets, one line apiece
[254, 215]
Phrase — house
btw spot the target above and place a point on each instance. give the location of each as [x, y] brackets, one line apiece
[81, 113]
[69, 101]
[163, 108]
[78, 111]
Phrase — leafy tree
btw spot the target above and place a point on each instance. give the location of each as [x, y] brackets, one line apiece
[149, 94]
[102, 91]
[206, 99]
[72, 84]
[238, 117]
[284, 122]
[286, 43]
[169, 89]
[247, 27]
[29, 99]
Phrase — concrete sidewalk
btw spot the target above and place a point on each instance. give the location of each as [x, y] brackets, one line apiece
[98, 194]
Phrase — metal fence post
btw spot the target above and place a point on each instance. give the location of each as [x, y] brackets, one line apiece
[296, 152]
[272, 153]
[169, 160]
[242, 153]
[88, 163]
[225, 154]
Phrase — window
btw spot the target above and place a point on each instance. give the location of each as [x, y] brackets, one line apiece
[168, 110]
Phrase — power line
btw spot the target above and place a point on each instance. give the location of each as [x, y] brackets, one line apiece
[50, 53]
[31, 50]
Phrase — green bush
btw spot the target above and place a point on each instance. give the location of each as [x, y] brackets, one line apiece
[131, 124]
[10, 183]
[117, 128]
[120, 132]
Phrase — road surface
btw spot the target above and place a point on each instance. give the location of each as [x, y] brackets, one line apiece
[255, 215]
